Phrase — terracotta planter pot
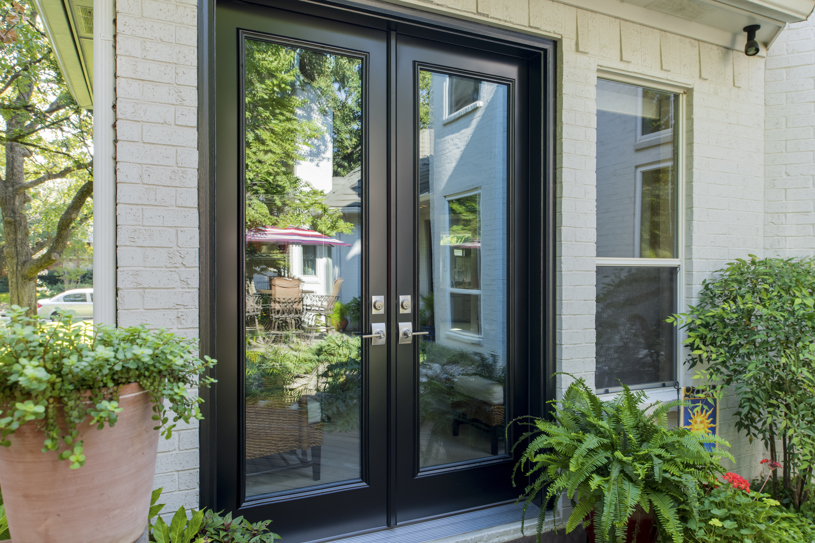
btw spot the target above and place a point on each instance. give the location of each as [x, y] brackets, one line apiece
[105, 501]
[647, 528]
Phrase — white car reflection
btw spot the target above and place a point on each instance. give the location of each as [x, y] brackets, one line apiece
[80, 301]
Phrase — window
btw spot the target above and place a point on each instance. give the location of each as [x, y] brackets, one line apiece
[463, 91]
[638, 250]
[464, 216]
[309, 260]
[74, 298]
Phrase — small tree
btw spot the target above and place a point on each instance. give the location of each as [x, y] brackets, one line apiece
[46, 149]
[754, 330]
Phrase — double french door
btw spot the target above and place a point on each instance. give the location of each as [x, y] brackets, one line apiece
[372, 283]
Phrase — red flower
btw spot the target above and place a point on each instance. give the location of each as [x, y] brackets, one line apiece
[737, 481]
[765, 460]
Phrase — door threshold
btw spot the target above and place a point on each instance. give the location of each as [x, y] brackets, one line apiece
[499, 524]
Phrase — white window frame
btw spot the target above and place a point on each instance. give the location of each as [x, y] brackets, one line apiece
[461, 335]
[663, 136]
[638, 199]
[657, 392]
[450, 116]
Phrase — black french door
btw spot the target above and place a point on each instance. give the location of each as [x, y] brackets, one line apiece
[372, 226]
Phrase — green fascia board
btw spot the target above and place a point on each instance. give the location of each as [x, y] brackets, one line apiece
[61, 31]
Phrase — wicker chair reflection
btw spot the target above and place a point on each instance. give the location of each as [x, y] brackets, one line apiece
[321, 306]
[282, 306]
[274, 428]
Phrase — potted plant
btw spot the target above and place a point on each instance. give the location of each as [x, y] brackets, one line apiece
[628, 476]
[340, 316]
[60, 384]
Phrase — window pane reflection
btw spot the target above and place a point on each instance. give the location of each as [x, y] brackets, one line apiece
[634, 343]
[462, 268]
[303, 134]
[636, 186]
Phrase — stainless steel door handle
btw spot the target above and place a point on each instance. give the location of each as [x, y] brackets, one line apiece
[379, 334]
[406, 332]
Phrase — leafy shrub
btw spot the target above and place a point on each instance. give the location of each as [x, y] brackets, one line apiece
[612, 456]
[81, 367]
[340, 380]
[754, 330]
[731, 515]
[205, 526]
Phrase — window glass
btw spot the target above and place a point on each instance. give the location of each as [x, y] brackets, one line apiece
[634, 343]
[637, 220]
[462, 255]
[463, 92]
[636, 187]
[74, 298]
[309, 260]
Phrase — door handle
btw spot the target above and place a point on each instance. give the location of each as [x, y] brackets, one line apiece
[378, 335]
[406, 332]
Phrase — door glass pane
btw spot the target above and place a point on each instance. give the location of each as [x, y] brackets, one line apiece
[462, 181]
[636, 178]
[635, 345]
[303, 141]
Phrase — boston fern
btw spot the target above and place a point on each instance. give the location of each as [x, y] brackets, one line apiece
[78, 368]
[612, 456]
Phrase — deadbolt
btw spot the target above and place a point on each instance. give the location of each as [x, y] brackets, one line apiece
[404, 304]
[377, 305]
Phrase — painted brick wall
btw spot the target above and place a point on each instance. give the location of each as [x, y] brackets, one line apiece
[790, 147]
[157, 181]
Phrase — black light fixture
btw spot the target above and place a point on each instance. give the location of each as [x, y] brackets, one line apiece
[751, 48]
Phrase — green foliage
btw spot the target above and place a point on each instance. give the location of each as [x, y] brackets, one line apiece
[275, 370]
[427, 311]
[728, 515]
[353, 310]
[340, 381]
[276, 89]
[754, 329]
[46, 154]
[205, 526]
[612, 456]
[79, 368]
[340, 312]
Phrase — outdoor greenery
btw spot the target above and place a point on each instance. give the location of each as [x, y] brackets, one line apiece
[79, 368]
[754, 330]
[729, 514]
[611, 457]
[281, 83]
[47, 183]
[204, 526]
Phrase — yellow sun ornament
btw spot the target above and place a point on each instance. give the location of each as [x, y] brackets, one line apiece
[700, 421]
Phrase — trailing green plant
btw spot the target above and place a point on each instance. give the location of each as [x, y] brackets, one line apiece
[612, 456]
[754, 329]
[729, 514]
[204, 526]
[79, 368]
[4, 533]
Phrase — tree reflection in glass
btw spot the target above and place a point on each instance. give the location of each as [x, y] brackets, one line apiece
[303, 160]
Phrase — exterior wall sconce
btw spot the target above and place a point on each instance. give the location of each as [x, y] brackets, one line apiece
[751, 48]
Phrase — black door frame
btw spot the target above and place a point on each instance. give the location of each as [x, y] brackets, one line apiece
[541, 249]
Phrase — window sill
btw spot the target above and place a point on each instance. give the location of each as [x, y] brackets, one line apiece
[464, 338]
[462, 112]
[652, 140]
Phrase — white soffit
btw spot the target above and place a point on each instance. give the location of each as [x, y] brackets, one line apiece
[69, 26]
[719, 22]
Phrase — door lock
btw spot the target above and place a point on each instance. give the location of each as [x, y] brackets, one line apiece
[404, 304]
[377, 305]
[378, 335]
[406, 332]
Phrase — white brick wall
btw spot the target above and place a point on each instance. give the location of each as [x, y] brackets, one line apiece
[157, 183]
[790, 147]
